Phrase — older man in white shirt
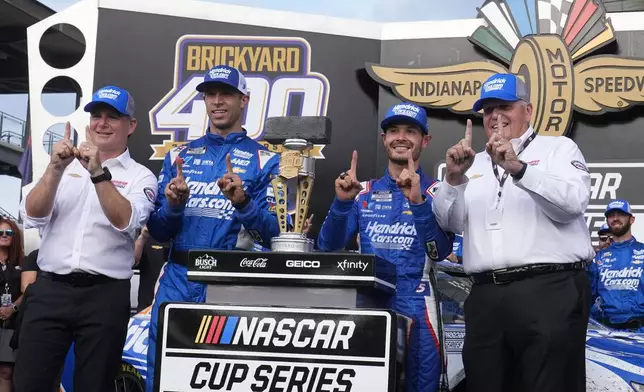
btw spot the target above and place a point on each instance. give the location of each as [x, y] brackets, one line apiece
[89, 205]
[520, 204]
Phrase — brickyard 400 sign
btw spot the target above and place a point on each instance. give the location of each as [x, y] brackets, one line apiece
[279, 80]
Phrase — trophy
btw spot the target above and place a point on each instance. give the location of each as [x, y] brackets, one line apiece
[294, 183]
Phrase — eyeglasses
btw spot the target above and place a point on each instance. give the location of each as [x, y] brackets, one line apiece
[605, 238]
[9, 233]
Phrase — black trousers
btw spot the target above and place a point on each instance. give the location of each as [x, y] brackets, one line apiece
[528, 335]
[95, 318]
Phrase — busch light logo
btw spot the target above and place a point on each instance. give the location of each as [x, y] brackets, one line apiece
[205, 262]
[259, 262]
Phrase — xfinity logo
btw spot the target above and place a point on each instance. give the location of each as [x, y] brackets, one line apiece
[303, 263]
[259, 262]
[205, 262]
[345, 265]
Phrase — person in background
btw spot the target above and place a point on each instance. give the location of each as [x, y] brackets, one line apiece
[11, 260]
[605, 237]
[617, 274]
[520, 203]
[89, 204]
[149, 255]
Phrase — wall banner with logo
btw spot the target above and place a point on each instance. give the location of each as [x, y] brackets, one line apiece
[236, 348]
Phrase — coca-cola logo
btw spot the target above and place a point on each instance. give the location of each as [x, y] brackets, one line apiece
[259, 262]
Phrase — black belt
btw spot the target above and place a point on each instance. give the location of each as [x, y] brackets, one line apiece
[77, 279]
[632, 324]
[179, 257]
[507, 275]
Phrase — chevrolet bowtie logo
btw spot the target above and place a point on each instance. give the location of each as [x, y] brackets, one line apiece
[540, 49]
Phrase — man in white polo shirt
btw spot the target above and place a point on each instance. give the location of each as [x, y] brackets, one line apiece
[89, 205]
[520, 205]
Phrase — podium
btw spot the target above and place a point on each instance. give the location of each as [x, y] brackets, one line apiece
[281, 321]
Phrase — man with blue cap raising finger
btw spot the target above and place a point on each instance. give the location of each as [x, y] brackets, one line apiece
[394, 219]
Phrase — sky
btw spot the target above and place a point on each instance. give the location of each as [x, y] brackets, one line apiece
[372, 10]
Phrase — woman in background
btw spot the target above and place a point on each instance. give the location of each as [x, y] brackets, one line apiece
[11, 258]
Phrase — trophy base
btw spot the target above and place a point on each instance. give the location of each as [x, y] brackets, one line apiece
[292, 242]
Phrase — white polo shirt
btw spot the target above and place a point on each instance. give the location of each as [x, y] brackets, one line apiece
[78, 237]
[539, 219]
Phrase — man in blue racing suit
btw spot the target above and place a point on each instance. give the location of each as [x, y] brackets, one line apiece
[617, 273]
[226, 185]
[394, 219]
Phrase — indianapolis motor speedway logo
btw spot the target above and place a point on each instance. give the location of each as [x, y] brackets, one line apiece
[544, 42]
[278, 74]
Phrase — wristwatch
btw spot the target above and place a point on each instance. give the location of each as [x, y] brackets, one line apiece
[106, 176]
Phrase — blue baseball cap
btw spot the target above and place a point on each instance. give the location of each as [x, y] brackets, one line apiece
[603, 229]
[405, 112]
[618, 205]
[115, 97]
[503, 86]
[226, 75]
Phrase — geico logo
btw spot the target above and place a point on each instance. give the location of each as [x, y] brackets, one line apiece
[137, 337]
[203, 188]
[240, 162]
[327, 334]
[303, 263]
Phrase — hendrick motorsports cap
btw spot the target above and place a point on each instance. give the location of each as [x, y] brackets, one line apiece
[506, 87]
[226, 75]
[618, 205]
[405, 112]
[116, 97]
[604, 229]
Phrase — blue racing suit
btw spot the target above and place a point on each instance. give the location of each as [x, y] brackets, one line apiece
[617, 282]
[393, 229]
[208, 220]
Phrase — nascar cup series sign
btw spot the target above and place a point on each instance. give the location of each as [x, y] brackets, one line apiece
[279, 82]
[241, 349]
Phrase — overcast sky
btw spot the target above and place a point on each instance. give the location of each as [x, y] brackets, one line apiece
[373, 10]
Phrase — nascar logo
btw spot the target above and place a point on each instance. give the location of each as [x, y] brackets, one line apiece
[267, 331]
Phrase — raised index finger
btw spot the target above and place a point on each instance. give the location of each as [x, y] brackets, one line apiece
[229, 164]
[68, 131]
[410, 162]
[468, 132]
[179, 167]
[354, 161]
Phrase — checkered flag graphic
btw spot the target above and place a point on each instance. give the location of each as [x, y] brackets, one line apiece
[553, 15]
